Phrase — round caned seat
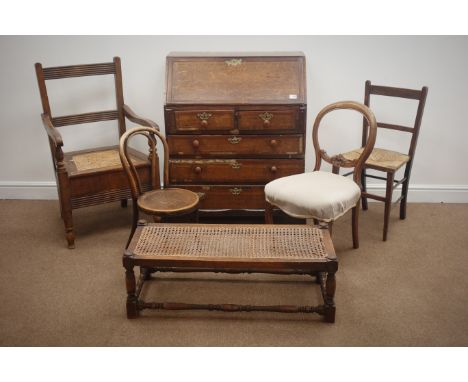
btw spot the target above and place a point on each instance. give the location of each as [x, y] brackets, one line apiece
[168, 201]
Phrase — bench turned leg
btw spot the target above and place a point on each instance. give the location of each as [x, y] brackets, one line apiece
[330, 288]
[130, 282]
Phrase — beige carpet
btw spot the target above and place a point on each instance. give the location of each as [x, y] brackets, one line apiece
[409, 291]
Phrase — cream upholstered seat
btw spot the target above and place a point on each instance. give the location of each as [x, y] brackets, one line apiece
[324, 196]
[318, 195]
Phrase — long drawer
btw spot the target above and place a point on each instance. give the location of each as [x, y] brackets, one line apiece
[286, 146]
[229, 196]
[232, 170]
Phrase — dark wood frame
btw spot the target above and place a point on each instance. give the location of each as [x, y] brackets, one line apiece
[323, 270]
[338, 161]
[115, 190]
[391, 183]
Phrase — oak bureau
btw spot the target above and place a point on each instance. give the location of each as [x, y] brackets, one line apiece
[234, 122]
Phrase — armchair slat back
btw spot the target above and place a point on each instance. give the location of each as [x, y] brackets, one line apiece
[60, 72]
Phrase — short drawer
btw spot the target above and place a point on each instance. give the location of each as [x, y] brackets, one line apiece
[185, 171]
[271, 120]
[288, 146]
[229, 196]
[202, 120]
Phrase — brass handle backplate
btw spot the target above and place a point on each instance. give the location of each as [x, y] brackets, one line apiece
[234, 140]
[265, 117]
[235, 191]
[236, 165]
[204, 116]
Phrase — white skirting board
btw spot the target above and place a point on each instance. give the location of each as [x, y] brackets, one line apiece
[418, 193]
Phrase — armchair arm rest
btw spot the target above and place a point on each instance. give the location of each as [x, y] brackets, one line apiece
[130, 114]
[52, 132]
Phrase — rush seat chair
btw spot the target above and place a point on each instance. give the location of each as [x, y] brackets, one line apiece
[389, 161]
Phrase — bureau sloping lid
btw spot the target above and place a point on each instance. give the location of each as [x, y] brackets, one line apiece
[235, 78]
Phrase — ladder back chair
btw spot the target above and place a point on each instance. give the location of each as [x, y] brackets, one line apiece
[321, 195]
[93, 176]
[389, 161]
[158, 202]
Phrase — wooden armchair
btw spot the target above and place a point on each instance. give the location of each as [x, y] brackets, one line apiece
[95, 176]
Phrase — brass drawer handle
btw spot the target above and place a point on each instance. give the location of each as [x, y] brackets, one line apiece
[234, 140]
[265, 117]
[197, 170]
[236, 165]
[273, 168]
[274, 142]
[204, 117]
[235, 191]
[196, 143]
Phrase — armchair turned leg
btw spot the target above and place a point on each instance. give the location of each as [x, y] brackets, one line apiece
[268, 213]
[68, 222]
[65, 204]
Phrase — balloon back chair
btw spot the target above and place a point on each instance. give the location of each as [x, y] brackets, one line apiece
[160, 201]
[321, 195]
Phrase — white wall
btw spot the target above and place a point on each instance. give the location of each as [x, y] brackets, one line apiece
[337, 68]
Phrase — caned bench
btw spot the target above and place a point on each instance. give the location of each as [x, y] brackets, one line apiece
[233, 248]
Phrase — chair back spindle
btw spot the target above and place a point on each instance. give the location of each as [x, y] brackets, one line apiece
[150, 134]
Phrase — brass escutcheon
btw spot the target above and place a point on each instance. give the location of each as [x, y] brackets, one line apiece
[234, 62]
[235, 191]
[266, 116]
[204, 116]
[234, 140]
[236, 165]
